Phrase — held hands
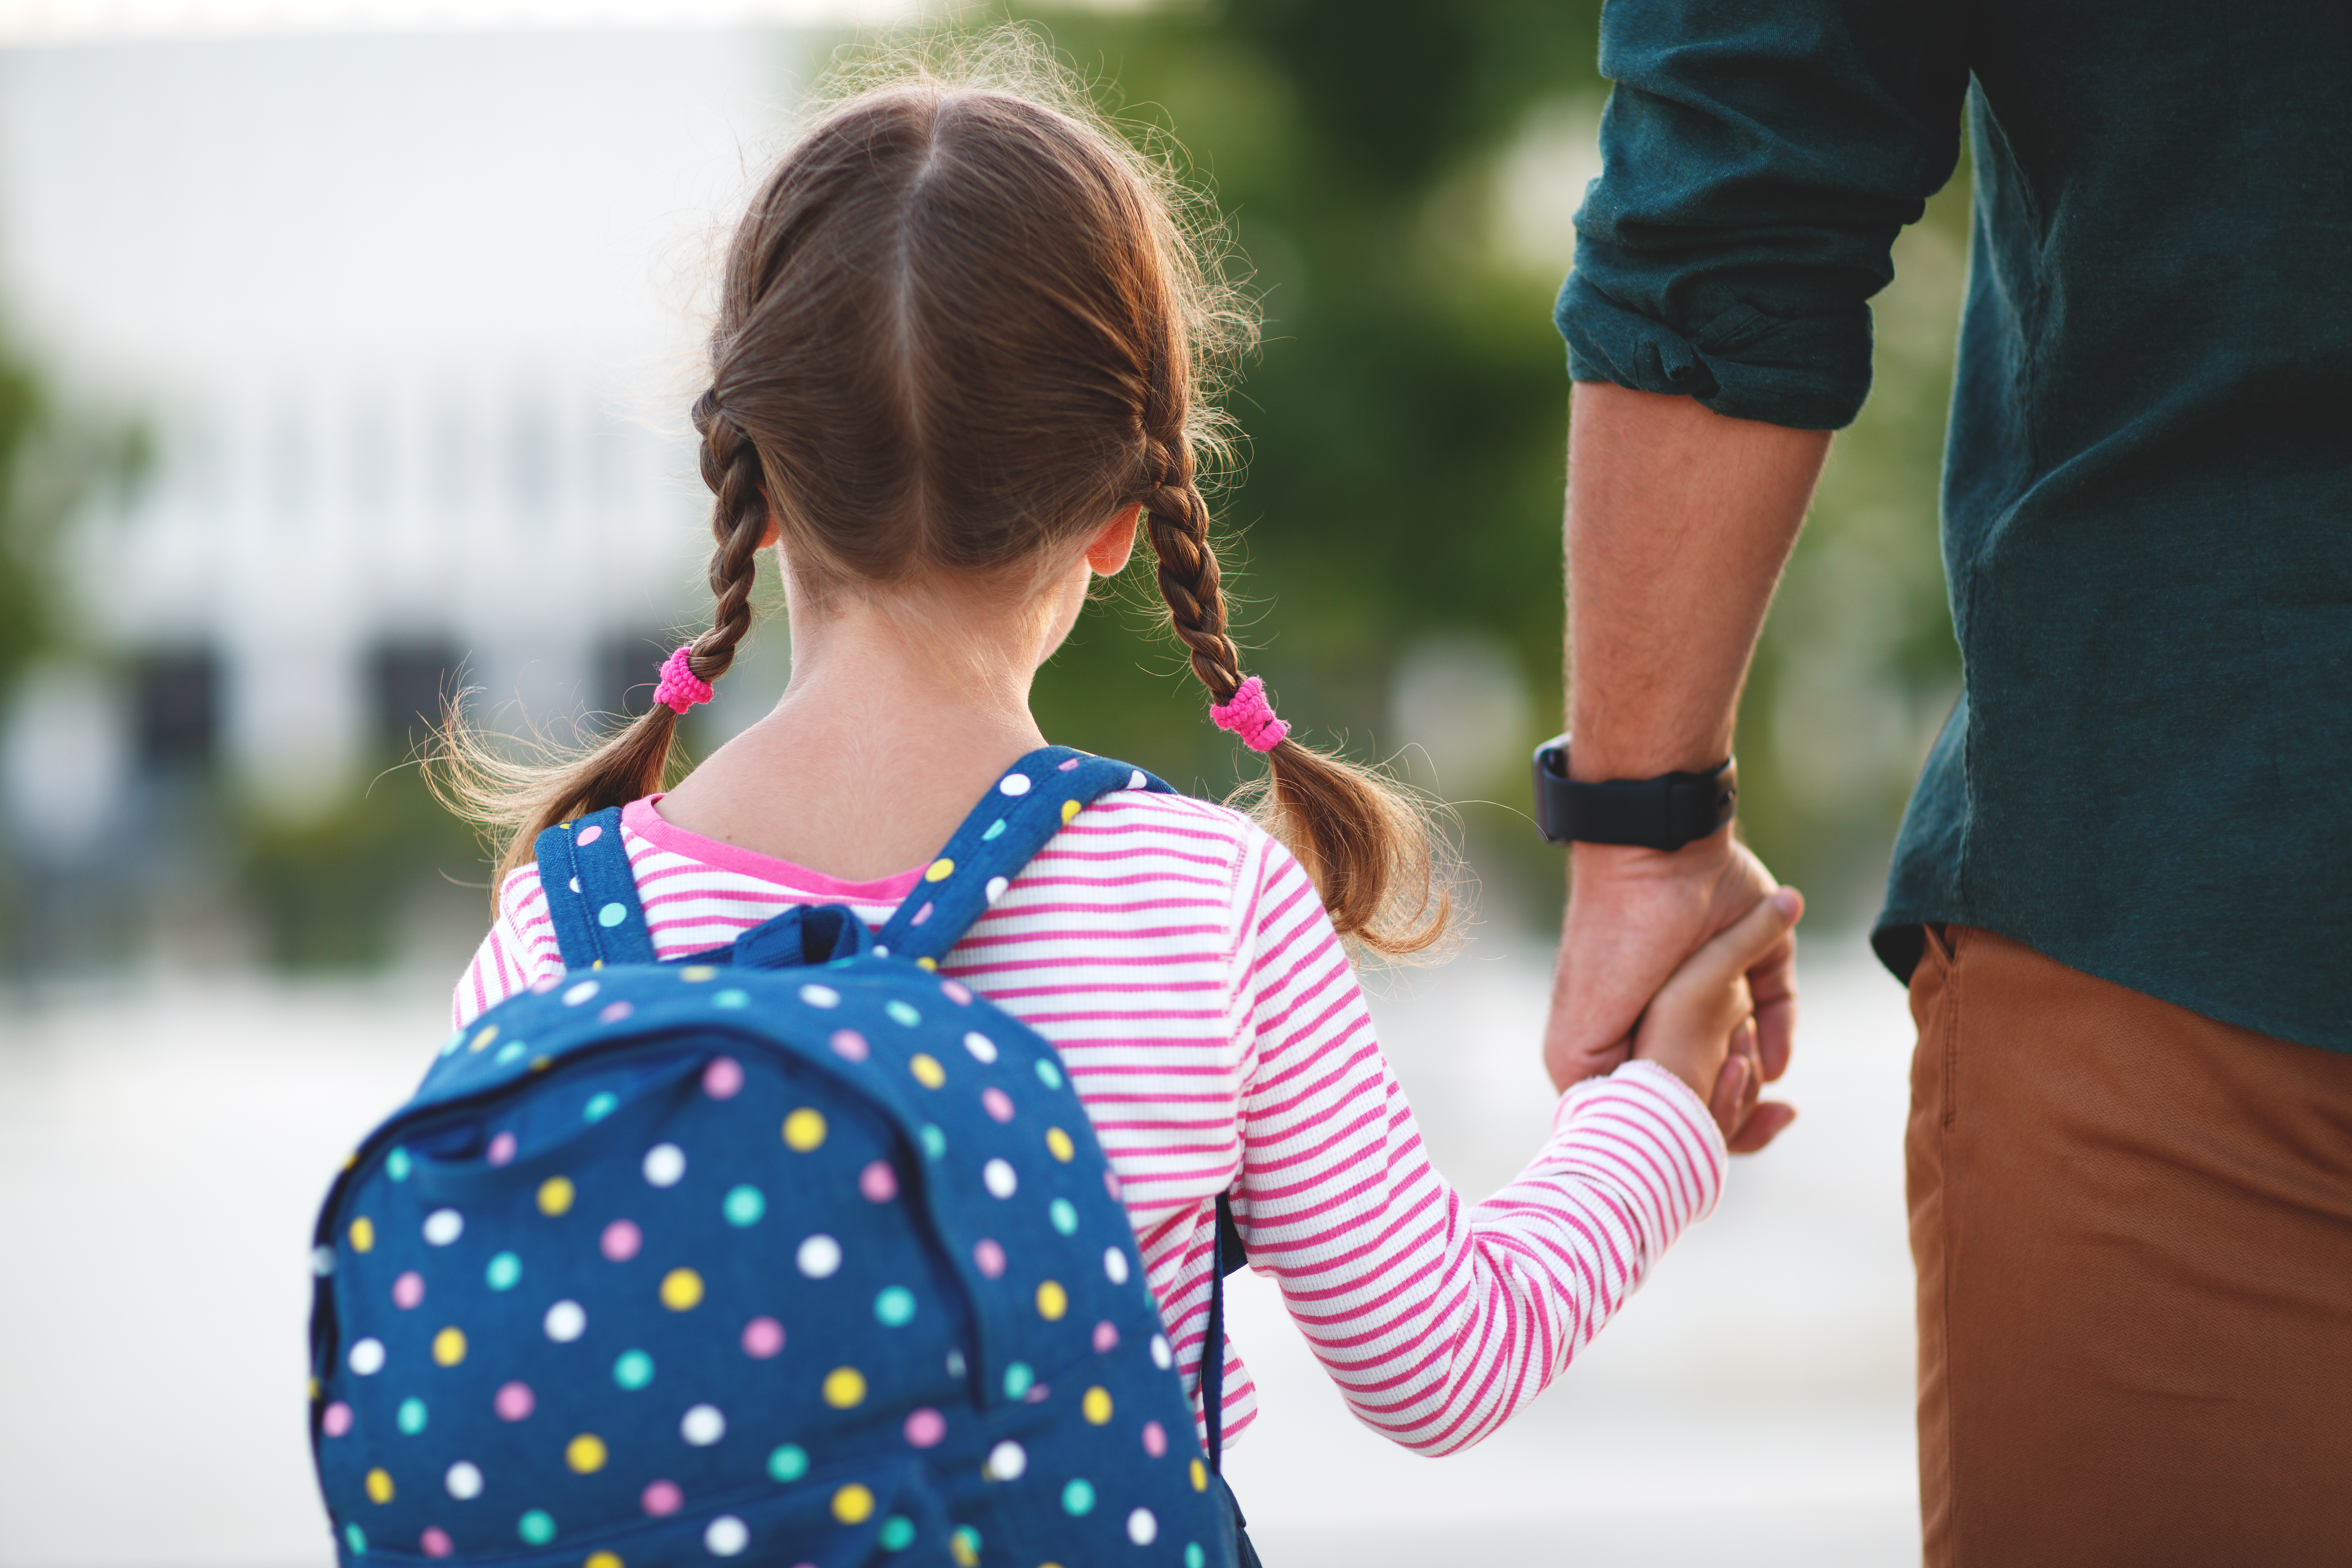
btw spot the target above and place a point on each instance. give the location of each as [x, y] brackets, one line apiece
[1701, 1025]
[1633, 915]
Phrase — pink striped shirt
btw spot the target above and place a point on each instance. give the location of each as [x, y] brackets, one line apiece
[1180, 961]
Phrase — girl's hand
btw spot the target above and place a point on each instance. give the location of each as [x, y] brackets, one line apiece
[1701, 1025]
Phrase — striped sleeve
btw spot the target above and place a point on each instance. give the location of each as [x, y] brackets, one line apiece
[520, 948]
[1438, 1318]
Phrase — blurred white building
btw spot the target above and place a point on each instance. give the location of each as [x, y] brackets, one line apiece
[411, 318]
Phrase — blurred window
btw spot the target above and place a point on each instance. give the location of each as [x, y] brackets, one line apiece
[409, 680]
[177, 701]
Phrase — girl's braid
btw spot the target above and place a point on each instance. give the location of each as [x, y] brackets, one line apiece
[739, 521]
[1189, 578]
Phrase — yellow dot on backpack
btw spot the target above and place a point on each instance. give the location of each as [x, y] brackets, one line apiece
[1069, 809]
[379, 1486]
[853, 1504]
[362, 1235]
[1096, 1406]
[1052, 1302]
[927, 963]
[804, 1130]
[1199, 1476]
[939, 870]
[695, 973]
[555, 1195]
[483, 1036]
[1059, 1145]
[926, 1070]
[681, 1290]
[450, 1347]
[603, 1560]
[845, 1387]
[586, 1454]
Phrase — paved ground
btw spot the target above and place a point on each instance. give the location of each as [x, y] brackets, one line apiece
[163, 1145]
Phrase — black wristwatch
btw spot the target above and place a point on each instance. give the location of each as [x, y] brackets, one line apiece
[1664, 813]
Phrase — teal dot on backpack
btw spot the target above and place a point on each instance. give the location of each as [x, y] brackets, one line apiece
[789, 1462]
[901, 1014]
[1019, 1380]
[1194, 1556]
[632, 1369]
[1064, 1216]
[536, 1526]
[897, 1533]
[731, 997]
[505, 1269]
[967, 1541]
[935, 1143]
[410, 1419]
[611, 915]
[356, 1539]
[601, 1104]
[993, 829]
[1078, 1498]
[895, 1307]
[509, 1053]
[744, 1204]
[397, 1164]
[1048, 1074]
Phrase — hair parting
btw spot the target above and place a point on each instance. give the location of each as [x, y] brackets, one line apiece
[964, 320]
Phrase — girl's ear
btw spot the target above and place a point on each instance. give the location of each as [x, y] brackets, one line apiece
[775, 529]
[1109, 550]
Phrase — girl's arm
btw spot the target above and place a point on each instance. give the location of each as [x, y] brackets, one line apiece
[1438, 1318]
[519, 949]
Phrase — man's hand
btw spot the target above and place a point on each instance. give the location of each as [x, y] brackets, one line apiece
[1633, 915]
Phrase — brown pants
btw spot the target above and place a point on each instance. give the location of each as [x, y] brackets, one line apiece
[2133, 1228]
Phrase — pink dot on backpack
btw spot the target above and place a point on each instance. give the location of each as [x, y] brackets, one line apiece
[337, 1419]
[1155, 1439]
[502, 1149]
[408, 1290]
[763, 1337]
[621, 1241]
[662, 1499]
[723, 1079]
[589, 835]
[989, 1258]
[514, 1402]
[999, 1104]
[1106, 1338]
[926, 1427]
[436, 1541]
[878, 1182]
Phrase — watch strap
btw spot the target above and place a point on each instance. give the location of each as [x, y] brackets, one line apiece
[1663, 813]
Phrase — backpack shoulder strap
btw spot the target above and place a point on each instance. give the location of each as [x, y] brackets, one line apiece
[592, 894]
[1020, 813]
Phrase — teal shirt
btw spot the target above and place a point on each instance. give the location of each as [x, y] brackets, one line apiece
[2148, 490]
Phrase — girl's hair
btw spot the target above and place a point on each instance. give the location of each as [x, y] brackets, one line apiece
[963, 323]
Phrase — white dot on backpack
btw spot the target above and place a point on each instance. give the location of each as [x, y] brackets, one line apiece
[665, 1164]
[1014, 784]
[463, 1481]
[726, 1536]
[820, 995]
[565, 1322]
[1141, 1528]
[1115, 1265]
[982, 1048]
[999, 1178]
[819, 1257]
[1006, 1461]
[442, 1227]
[1137, 781]
[579, 993]
[996, 888]
[367, 1357]
[703, 1426]
[576, 884]
[1161, 1356]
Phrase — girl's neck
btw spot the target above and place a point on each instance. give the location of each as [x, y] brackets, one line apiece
[899, 714]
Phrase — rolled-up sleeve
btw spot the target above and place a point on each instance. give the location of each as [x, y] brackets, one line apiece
[1758, 162]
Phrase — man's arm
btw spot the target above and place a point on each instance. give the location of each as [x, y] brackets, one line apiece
[1679, 521]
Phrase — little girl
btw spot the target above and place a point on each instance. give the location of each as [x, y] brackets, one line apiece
[955, 371]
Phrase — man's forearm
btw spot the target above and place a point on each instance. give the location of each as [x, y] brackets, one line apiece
[1679, 522]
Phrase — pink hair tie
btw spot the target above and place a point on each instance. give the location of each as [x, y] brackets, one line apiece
[680, 688]
[1251, 716]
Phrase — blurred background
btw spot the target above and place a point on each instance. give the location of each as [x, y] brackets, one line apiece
[344, 353]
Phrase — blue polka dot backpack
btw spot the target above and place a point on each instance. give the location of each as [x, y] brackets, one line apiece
[795, 1252]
